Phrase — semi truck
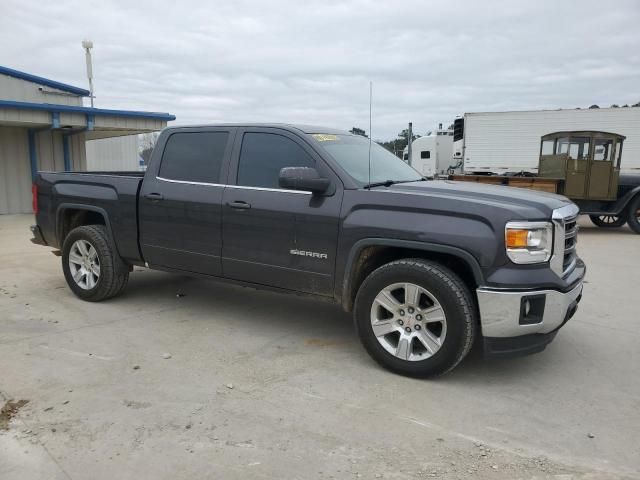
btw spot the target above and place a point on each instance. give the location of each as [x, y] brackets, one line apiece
[431, 154]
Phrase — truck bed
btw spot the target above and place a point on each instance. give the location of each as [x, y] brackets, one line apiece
[112, 195]
[550, 185]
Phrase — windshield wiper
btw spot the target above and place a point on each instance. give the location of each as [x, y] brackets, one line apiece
[388, 183]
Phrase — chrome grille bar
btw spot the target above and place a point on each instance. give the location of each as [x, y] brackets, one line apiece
[565, 232]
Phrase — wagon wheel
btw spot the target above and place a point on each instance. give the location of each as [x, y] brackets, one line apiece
[634, 214]
[608, 221]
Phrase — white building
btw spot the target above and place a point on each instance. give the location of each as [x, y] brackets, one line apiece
[44, 126]
[113, 154]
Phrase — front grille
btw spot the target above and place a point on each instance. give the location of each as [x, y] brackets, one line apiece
[570, 241]
[565, 238]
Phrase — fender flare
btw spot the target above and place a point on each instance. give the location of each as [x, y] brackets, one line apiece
[81, 206]
[357, 248]
[622, 203]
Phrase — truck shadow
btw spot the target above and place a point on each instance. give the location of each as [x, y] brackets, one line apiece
[306, 323]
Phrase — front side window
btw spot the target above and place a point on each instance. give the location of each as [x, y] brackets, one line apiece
[619, 150]
[351, 152]
[562, 146]
[547, 147]
[263, 155]
[579, 148]
[194, 156]
[425, 154]
[603, 149]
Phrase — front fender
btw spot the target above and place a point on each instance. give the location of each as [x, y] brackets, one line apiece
[360, 245]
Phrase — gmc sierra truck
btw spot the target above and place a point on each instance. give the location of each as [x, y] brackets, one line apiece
[426, 267]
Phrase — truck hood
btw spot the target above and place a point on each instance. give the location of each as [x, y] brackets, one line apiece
[527, 203]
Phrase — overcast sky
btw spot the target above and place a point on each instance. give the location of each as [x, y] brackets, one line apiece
[311, 62]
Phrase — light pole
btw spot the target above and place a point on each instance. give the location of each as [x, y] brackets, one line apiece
[88, 45]
[409, 138]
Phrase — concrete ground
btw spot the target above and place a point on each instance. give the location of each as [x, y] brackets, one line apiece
[260, 385]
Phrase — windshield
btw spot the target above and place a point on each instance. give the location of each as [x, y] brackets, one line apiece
[352, 153]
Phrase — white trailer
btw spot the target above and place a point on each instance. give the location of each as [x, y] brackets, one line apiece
[431, 154]
[501, 142]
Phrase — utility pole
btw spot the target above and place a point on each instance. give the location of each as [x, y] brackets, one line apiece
[88, 45]
[409, 138]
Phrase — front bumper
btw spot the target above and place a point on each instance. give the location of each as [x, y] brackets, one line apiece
[521, 322]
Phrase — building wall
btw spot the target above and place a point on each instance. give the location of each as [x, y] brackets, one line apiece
[118, 153]
[50, 151]
[15, 171]
[20, 90]
[15, 164]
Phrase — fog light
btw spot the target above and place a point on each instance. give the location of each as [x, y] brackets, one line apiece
[532, 309]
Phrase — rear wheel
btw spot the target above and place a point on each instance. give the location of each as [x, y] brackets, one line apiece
[633, 218]
[415, 317]
[608, 221]
[92, 268]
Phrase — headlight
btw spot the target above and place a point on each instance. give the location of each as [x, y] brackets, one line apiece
[528, 242]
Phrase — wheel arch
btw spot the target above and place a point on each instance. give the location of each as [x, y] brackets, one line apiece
[368, 254]
[72, 215]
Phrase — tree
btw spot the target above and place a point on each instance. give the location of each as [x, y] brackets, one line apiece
[615, 105]
[636, 104]
[593, 106]
[146, 142]
[358, 131]
[405, 133]
[397, 145]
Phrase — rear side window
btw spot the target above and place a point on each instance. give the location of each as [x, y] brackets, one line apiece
[263, 155]
[194, 156]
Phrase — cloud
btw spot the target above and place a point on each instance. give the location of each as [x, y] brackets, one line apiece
[311, 62]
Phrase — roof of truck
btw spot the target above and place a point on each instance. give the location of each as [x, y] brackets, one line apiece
[583, 132]
[303, 128]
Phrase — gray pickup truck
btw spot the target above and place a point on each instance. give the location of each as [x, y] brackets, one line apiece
[426, 267]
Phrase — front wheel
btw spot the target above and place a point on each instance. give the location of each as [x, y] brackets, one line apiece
[92, 268]
[608, 221]
[415, 317]
[634, 214]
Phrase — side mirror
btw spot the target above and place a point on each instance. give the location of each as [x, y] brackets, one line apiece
[303, 178]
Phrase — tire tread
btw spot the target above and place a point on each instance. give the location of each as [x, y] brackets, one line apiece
[114, 274]
[464, 300]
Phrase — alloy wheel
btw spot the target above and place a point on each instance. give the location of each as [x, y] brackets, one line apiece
[84, 264]
[408, 321]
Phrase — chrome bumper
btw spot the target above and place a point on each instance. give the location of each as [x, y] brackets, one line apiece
[512, 314]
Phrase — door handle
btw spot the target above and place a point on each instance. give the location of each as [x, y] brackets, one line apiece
[154, 196]
[239, 205]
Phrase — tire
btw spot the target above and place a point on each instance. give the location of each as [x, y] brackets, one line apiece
[90, 247]
[633, 216]
[608, 221]
[439, 293]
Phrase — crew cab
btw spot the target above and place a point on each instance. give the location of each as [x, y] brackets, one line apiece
[426, 267]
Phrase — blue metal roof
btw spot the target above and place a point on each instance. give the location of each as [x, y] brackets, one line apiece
[44, 81]
[51, 107]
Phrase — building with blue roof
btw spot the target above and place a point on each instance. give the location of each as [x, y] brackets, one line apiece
[44, 126]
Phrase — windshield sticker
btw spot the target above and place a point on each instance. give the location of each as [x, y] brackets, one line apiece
[324, 137]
